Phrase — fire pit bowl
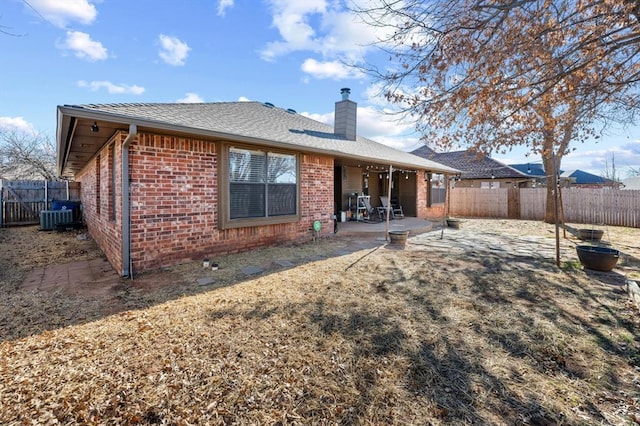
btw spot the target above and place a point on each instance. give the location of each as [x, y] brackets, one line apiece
[590, 234]
[453, 223]
[398, 238]
[598, 258]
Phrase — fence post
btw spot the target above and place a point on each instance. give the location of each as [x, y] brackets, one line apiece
[46, 195]
[1, 205]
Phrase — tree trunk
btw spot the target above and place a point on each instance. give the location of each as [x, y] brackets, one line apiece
[552, 172]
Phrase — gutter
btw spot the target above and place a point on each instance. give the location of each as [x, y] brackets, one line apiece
[127, 261]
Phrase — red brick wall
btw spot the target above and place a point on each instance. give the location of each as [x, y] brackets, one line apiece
[95, 183]
[434, 212]
[174, 186]
[421, 195]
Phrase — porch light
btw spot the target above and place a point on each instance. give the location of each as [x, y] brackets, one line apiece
[492, 175]
[95, 128]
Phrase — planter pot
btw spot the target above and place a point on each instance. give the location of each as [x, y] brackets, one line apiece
[598, 258]
[590, 234]
[398, 238]
[454, 223]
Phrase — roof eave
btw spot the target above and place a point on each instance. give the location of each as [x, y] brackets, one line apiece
[67, 113]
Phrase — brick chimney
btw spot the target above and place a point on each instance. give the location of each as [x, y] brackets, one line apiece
[345, 116]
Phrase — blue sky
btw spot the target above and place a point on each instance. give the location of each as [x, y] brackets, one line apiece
[287, 52]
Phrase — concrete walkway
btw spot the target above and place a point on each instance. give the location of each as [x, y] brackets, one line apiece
[97, 277]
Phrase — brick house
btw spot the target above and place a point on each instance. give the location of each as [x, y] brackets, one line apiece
[163, 184]
[478, 171]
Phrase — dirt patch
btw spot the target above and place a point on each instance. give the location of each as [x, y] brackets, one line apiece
[477, 327]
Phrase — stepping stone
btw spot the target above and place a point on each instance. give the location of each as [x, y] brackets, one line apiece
[284, 263]
[205, 281]
[342, 252]
[251, 270]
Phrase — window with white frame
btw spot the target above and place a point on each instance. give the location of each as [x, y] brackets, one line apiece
[261, 184]
[490, 185]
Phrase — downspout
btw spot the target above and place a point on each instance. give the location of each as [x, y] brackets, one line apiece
[127, 261]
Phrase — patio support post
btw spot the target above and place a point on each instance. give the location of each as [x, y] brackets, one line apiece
[386, 232]
[447, 198]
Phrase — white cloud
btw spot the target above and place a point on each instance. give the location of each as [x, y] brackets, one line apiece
[323, 118]
[83, 47]
[345, 33]
[330, 69]
[173, 51]
[243, 99]
[16, 124]
[291, 18]
[223, 5]
[379, 126]
[389, 129]
[596, 160]
[62, 12]
[116, 89]
[319, 26]
[190, 98]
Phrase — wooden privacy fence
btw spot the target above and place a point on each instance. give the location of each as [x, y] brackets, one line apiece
[597, 206]
[22, 200]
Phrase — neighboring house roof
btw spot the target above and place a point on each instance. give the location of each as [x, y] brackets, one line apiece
[248, 122]
[532, 170]
[580, 177]
[631, 183]
[471, 166]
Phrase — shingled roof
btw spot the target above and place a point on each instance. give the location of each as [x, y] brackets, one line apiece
[471, 166]
[248, 122]
[581, 177]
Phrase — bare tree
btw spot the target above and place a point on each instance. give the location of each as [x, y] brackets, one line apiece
[609, 170]
[26, 155]
[494, 74]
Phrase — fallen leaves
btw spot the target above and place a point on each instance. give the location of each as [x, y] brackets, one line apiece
[317, 343]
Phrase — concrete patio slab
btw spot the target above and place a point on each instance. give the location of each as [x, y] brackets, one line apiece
[87, 277]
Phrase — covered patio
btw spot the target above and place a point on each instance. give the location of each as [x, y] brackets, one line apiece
[378, 229]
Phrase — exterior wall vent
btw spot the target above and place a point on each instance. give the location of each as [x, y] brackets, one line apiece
[291, 111]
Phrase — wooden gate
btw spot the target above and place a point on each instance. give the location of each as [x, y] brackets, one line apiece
[513, 206]
[22, 200]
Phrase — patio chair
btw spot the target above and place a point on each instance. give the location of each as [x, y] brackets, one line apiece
[371, 210]
[395, 211]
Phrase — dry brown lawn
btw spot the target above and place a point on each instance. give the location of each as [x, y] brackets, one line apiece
[438, 333]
